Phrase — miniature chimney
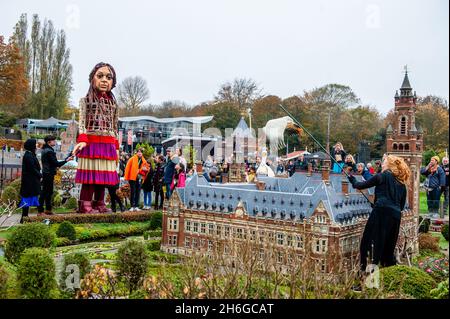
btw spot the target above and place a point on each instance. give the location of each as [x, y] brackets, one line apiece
[326, 170]
[345, 186]
[309, 169]
[260, 185]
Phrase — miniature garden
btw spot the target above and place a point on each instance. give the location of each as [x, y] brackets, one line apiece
[98, 256]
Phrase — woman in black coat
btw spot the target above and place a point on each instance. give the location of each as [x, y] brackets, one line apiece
[30, 186]
[383, 226]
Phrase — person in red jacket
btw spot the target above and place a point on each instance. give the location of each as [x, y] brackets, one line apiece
[97, 148]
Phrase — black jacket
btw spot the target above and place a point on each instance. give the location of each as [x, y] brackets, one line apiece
[31, 174]
[49, 161]
[388, 191]
[147, 185]
[158, 177]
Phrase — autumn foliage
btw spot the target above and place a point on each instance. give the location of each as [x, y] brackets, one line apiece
[13, 80]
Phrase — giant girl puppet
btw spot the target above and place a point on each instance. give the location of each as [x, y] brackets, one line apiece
[97, 142]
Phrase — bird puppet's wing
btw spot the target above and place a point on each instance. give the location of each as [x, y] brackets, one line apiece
[275, 129]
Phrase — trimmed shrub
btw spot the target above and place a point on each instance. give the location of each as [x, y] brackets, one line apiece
[425, 225]
[4, 277]
[126, 229]
[56, 200]
[132, 263]
[405, 280]
[156, 220]
[154, 245]
[10, 194]
[444, 231]
[79, 259]
[154, 233]
[27, 236]
[93, 218]
[66, 230]
[36, 274]
[71, 203]
[428, 242]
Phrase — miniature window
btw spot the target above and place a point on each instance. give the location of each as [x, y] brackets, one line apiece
[219, 230]
[195, 228]
[188, 226]
[211, 229]
[187, 242]
[280, 238]
[173, 224]
[299, 240]
[203, 228]
[210, 245]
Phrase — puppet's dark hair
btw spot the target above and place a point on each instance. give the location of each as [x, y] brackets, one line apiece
[91, 95]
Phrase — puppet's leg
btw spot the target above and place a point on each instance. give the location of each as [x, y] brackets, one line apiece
[85, 202]
[99, 200]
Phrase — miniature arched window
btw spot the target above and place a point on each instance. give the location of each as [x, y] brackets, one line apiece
[400, 147]
[394, 146]
[403, 125]
[406, 146]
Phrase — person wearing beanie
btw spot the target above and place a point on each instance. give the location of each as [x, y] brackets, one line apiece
[434, 184]
[49, 166]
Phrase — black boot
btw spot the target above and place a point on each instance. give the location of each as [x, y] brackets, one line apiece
[113, 206]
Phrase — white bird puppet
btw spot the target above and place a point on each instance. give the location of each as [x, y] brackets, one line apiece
[274, 131]
[263, 168]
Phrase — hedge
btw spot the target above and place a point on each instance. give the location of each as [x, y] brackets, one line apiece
[36, 274]
[89, 234]
[75, 218]
[407, 280]
[27, 236]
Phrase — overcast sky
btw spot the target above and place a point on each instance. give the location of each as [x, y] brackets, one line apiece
[186, 48]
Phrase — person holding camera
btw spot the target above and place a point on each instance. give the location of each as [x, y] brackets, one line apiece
[434, 184]
[49, 166]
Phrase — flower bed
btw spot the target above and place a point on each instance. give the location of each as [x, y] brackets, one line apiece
[435, 267]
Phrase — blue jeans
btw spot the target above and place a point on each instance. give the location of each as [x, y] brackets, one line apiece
[147, 198]
[168, 190]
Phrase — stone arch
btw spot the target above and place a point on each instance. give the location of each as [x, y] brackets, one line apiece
[400, 147]
[406, 146]
[394, 146]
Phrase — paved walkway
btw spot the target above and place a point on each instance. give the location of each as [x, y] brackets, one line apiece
[12, 220]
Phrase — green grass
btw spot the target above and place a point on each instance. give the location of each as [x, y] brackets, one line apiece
[443, 244]
[423, 207]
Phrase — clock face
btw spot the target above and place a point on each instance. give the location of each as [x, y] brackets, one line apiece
[239, 211]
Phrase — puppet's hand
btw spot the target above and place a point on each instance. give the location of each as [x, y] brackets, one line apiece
[78, 147]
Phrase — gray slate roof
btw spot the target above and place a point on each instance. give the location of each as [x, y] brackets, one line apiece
[293, 198]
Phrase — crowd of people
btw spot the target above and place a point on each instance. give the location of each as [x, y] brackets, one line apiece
[157, 176]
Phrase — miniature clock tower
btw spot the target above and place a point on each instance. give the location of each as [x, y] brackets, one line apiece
[403, 139]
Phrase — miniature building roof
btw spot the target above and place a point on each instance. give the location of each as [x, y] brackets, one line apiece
[293, 198]
[406, 84]
[242, 130]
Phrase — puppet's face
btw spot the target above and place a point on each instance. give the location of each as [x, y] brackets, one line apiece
[103, 79]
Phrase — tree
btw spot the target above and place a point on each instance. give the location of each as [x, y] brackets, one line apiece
[47, 66]
[13, 81]
[242, 93]
[226, 115]
[434, 121]
[132, 93]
